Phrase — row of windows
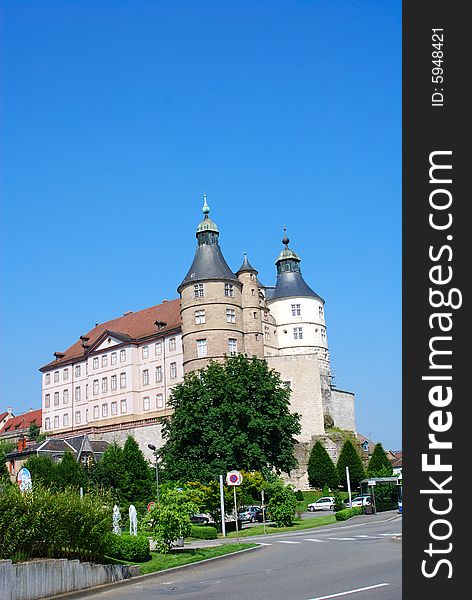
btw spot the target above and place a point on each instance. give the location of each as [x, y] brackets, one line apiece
[103, 360]
[78, 414]
[202, 347]
[199, 290]
[158, 373]
[297, 312]
[298, 333]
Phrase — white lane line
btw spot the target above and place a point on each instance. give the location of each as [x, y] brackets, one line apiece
[264, 544]
[314, 540]
[370, 537]
[369, 587]
[344, 539]
[287, 542]
[389, 534]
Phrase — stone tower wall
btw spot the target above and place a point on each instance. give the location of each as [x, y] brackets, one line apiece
[252, 315]
[302, 371]
[216, 330]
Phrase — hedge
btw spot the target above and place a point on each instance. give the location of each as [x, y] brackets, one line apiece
[128, 547]
[46, 524]
[204, 532]
[347, 513]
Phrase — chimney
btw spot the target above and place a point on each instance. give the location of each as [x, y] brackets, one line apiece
[160, 324]
[9, 409]
[21, 444]
[59, 355]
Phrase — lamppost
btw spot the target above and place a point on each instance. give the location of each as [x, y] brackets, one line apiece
[154, 449]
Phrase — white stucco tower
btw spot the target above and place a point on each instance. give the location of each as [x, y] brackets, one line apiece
[298, 312]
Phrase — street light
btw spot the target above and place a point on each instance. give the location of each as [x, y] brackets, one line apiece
[154, 449]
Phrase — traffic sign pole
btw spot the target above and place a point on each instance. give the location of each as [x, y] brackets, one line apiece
[222, 504]
[236, 514]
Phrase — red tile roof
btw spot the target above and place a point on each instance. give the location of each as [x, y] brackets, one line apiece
[23, 421]
[135, 325]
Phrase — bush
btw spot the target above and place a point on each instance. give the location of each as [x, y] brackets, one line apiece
[46, 524]
[282, 504]
[347, 513]
[299, 496]
[128, 547]
[204, 532]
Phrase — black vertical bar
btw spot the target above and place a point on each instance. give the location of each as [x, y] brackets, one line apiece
[435, 119]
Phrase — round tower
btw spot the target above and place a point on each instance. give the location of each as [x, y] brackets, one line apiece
[298, 312]
[251, 306]
[211, 302]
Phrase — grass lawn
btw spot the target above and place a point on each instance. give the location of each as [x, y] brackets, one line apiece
[159, 562]
[297, 525]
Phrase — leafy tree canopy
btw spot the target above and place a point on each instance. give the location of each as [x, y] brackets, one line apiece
[137, 484]
[33, 431]
[321, 469]
[70, 473]
[349, 457]
[228, 416]
[379, 465]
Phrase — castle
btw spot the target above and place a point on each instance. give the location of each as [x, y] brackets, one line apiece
[117, 378]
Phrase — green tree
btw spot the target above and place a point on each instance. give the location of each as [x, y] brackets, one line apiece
[170, 519]
[43, 470]
[321, 469]
[5, 448]
[379, 465]
[227, 416]
[109, 471]
[70, 473]
[137, 484]
[349, 457]
[282, 503]
[33, 432]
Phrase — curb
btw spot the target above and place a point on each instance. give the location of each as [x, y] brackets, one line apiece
[138, 578]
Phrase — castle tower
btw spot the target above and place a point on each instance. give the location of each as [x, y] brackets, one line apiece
[251, 305]
[211, 302]
[298, 312]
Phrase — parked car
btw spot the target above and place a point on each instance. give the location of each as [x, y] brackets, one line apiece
[360, 501]
[247, 514]
[324, 503]
[201, 518]
[261, 515]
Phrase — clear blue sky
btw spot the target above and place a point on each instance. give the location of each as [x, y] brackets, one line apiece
[117, 115]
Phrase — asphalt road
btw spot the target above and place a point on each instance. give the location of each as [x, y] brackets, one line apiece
[359, 561]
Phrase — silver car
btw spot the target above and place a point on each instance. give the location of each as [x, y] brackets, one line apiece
[324, 503]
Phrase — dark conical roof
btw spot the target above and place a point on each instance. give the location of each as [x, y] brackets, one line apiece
[208, 262]
[292, 285]
[246, 266]
[290, 282]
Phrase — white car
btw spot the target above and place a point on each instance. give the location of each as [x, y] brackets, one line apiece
[324, 503]
[361, 501]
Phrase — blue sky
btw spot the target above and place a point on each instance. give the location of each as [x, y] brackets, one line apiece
[117, 115]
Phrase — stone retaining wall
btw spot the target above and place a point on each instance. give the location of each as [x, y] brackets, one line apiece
[43, 578]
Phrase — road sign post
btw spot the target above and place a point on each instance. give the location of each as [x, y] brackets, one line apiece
[222, 507]
[234, 478]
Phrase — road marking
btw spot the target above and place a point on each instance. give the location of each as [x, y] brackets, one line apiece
[314, 540]
[287, 542]
[389, 534]
[343, 539]
[370, 537]
[370, 587]
[264, 544]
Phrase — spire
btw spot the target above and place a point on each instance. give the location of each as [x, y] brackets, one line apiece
[246, 266]
[208, 262]
[287, 260]
[207, 231]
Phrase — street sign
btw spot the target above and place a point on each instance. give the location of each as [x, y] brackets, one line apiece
[24, 479]
[371, 482]
[150, 506]
[234, 478]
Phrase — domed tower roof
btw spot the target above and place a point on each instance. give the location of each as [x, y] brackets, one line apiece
[208, 262]
[290, 282]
